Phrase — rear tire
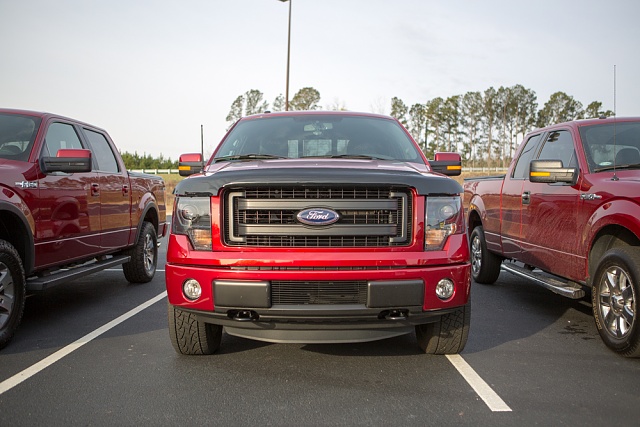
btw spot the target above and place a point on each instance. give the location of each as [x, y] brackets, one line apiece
[448, 335]
[614, 297]
[190, 336]
[485, 265]
[12, 291]
[144, 256]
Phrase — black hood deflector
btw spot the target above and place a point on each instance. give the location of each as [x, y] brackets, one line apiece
[210, 185]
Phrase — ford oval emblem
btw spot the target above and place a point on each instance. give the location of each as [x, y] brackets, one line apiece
[318, 216]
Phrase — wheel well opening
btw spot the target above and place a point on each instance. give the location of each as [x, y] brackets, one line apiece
[13, 231]
[474, 221]
[612, 236]
[152, 216]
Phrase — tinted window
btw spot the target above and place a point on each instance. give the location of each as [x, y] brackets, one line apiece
[608, 143]
[522, 167]
[559, 146]
[17, 134]
[59, 136]
[319, 136]
[102, 151]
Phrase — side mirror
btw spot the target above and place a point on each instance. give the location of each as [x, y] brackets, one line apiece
[447, 164]
[67, 160]
[551, 171]
[190, 163]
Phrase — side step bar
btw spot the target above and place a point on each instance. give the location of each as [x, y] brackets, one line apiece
[566, 289]
[43, 282]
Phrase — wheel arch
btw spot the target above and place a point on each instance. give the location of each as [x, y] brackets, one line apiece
[473, 220]
[15, 229]
[149, 214]
[610, 236]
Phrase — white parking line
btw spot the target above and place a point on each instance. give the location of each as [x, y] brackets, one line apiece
[486, 393]
[9, 383]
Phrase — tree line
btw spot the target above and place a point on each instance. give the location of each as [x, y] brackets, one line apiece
[145, 161]
[484, 127]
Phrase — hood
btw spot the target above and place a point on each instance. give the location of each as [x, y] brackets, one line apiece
[314, 172]
[624, 184]
[13, 168]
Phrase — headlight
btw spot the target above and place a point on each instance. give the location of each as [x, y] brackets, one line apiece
[192, 217]
[444, 217]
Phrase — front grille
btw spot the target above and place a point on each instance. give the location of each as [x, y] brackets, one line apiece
[303, 293]
[266, 216]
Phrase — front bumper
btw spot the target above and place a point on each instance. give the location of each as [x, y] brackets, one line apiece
[237, 290]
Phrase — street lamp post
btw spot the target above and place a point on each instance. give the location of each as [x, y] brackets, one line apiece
[286, 99]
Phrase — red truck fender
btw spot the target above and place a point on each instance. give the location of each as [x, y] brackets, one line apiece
[615, 216]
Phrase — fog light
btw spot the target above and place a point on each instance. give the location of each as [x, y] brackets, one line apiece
[191, 289]
[444, 289]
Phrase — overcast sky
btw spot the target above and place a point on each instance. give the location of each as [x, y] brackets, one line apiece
[151, 72]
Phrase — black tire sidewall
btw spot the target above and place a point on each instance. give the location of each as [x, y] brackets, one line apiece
[489, 264]
[150, 229]
[134, 270]
[9, 257]
[628, 259]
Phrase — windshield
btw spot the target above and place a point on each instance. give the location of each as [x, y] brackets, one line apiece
[17, 134]
[604, 151]
[318, 136]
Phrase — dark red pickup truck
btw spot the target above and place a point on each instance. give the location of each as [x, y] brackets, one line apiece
[68, 208]
[568, 212]
[318, 227]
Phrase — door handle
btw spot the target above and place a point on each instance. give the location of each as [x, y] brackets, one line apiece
[95, 189]
[526, 197]
[125, 190]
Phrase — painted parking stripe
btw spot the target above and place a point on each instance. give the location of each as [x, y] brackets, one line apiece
[9, 383]
[486, 393]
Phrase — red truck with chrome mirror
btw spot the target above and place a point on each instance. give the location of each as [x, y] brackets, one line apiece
[566, 216]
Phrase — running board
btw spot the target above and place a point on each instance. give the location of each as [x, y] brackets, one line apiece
[566, 289]
[64, 275]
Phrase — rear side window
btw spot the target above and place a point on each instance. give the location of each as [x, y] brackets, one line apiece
[559, 146]
[102, 151]
[522, 167]
[60, 136]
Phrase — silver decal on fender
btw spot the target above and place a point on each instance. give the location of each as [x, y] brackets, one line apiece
[27, 184]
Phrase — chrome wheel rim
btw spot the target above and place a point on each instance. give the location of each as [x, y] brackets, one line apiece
[616, 302]
[7, 294]
[476, 255]
[149, 253]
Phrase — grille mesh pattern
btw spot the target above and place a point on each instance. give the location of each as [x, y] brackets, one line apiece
[369, 217]
[317, 293]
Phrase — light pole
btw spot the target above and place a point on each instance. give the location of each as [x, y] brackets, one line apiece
[286, 96]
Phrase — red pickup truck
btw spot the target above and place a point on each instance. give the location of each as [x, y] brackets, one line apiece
[318, 227]
[68, 208]
[567, 216]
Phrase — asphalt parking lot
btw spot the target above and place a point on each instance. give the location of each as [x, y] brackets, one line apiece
[97, 352]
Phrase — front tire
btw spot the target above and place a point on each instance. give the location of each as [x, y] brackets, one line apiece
[614, 297]
[12, 291]
[448, 335]
[144, 256]
[190, 336]
[485, 265]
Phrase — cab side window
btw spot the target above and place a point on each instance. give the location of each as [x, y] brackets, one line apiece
[102, 151]
[559, 146]
[60, 135]
[521, 171]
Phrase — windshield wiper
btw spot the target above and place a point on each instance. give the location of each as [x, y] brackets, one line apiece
[616, 167]
[247, 157]
[346, 156]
